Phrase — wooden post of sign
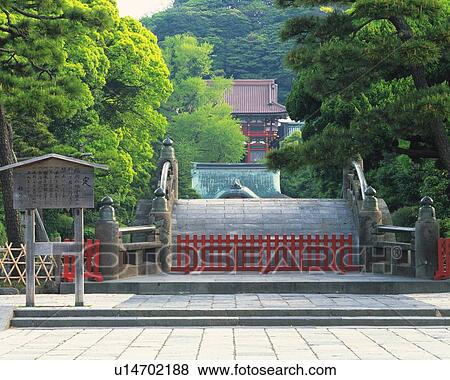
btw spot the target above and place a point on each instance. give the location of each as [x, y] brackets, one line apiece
[30, 263]
[79, 260]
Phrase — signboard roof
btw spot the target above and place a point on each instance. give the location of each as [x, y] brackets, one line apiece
[53, 182]
[54, 156]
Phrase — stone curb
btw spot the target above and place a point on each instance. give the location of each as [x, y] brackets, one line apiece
[105, 322]
[6, 315]
[8, 291]
[332, 287]
[238, 312]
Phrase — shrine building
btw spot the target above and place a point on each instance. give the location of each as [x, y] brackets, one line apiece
[255, 103]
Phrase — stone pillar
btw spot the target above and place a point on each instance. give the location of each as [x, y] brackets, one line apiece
[162, 218]
[369, 217]
[346, 182]
[168, 154]
[107, 231]
[426, 240]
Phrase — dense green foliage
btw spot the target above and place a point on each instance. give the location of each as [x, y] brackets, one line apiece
[372, 81]
[200, 122]
[74, 78]
[309, 182]
[244, 34]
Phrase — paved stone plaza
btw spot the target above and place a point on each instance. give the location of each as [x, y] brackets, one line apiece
[243, 301]
[226, 343]
[230, 343]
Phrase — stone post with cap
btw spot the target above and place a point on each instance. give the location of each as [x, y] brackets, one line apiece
[107, 231]
[168, 154]
[369, 217]
[161, 216]
[165, 196]
[426, 240]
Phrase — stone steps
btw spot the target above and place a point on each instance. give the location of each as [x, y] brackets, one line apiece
[108, 318]
[262, 216]
[270, 283]
[237, 312]
[286, 216]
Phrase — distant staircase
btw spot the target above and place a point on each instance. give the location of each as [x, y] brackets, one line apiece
[283, 216]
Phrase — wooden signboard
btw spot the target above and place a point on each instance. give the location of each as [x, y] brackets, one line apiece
[53, 182]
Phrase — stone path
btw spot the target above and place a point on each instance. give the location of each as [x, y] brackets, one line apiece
[244, 301]
[230, 343]
[226, 343]
[276, 301]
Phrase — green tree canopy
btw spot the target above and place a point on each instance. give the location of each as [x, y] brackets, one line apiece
[38, 79]
[208, 134]
[200, 122]
[186, 57]
[75, 77]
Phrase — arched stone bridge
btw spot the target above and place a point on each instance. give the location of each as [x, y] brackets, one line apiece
[358, 215]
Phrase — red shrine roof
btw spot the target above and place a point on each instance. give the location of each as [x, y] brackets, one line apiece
[254, 96]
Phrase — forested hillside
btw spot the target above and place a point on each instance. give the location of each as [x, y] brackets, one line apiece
[244, 33]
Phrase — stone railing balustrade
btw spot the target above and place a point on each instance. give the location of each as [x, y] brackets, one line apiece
[378, 240]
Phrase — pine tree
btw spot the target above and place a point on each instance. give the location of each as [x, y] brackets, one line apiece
[372, 78]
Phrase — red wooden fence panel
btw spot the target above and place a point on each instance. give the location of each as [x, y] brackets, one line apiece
[271, 253]
[92, 263]
[443, 271]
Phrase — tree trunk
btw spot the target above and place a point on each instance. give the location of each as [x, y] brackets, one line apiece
[7, 157]
[438, 130]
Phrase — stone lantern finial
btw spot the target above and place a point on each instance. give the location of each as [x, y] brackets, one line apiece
[370, 202]
[159, 203]
[167, 151]
[107, 211]
[426, 210]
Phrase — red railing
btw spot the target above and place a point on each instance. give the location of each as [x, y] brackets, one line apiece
[264, 254]
[265, 134]
[443, 271]
[91, 266]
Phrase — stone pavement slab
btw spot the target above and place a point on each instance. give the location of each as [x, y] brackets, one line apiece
[286, 301]
[243, 277]
[66, 300]
[226, 343]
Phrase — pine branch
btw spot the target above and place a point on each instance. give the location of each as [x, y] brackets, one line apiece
[36, 16]
[417, 153]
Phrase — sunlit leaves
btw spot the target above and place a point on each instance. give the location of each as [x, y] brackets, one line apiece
[74, 76]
